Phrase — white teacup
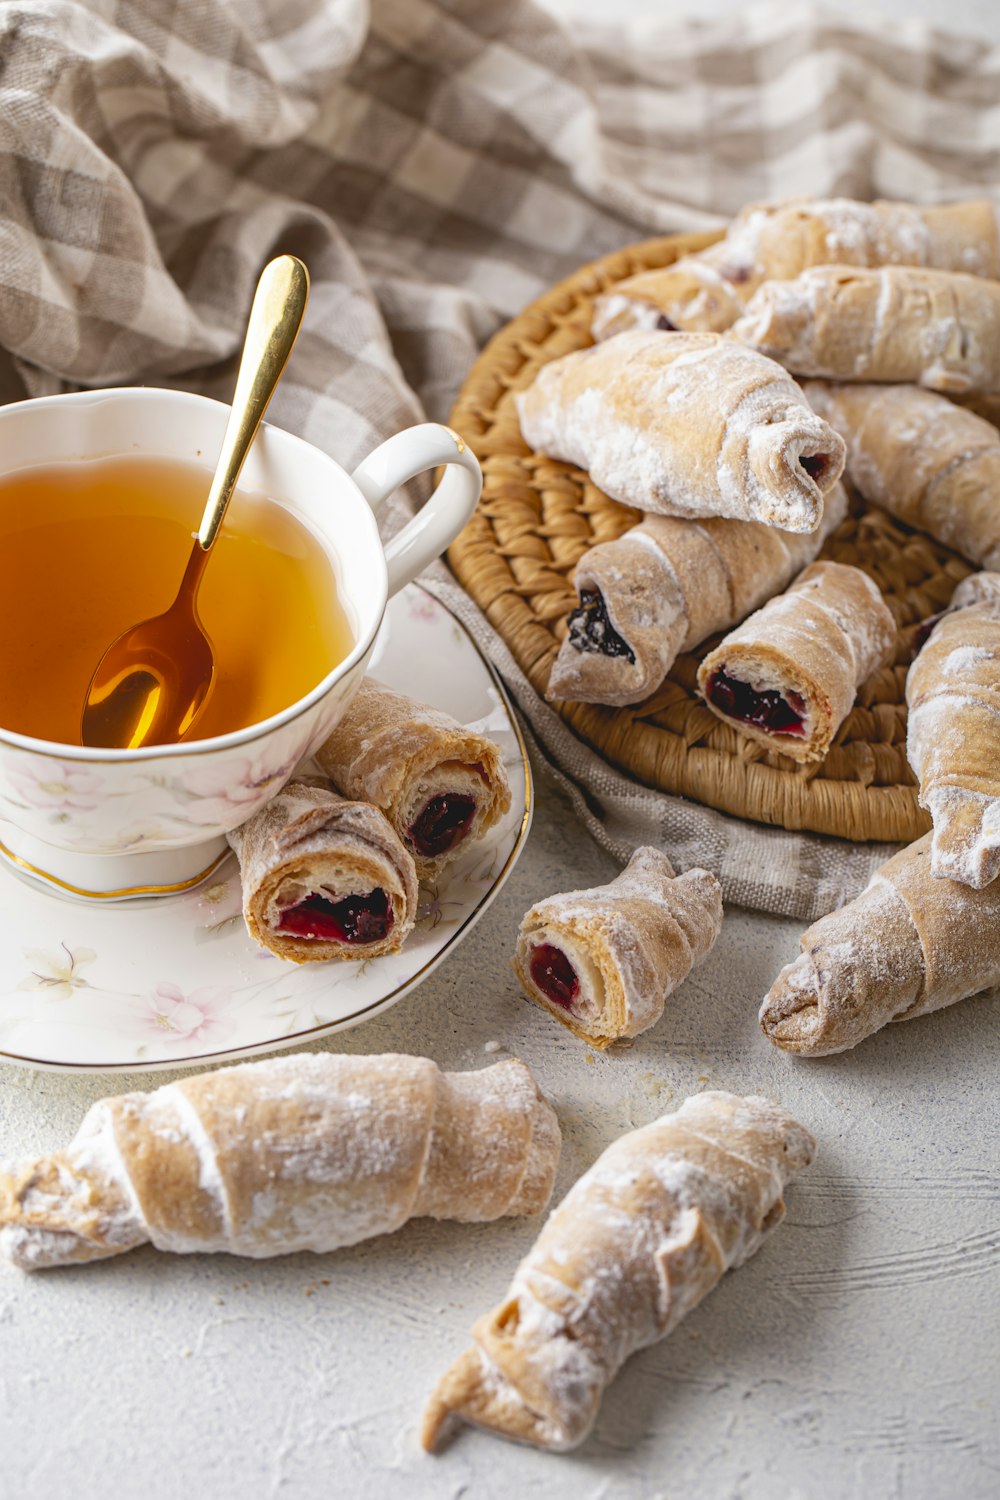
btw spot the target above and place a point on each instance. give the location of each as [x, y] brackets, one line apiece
[115, 824]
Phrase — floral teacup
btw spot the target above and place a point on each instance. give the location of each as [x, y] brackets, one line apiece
[109, 824]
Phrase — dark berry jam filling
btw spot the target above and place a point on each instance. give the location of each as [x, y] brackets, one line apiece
[554, 975]
[665, 324]
[350, 919]
[815, 465]
[770, 710]
[441, 823]
[591, 630]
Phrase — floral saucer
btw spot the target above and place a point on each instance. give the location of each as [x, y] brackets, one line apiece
[177, 981]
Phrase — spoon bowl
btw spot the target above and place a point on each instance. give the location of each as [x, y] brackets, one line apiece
[153, 681]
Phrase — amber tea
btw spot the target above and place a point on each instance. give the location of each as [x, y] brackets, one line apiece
[90, 548]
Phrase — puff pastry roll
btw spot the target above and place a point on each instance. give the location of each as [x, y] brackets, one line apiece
[787, 676]
[439, 783]
[777, 241]
[603, 961]
[909, 944]
[953, 735]
[686, 424]
[308, 1152]
[940, 329]
[665, 586]
[633, 1247]
[694, 295]
[929, 463]
[324, 877]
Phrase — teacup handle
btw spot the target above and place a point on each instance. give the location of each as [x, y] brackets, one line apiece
[438, 522]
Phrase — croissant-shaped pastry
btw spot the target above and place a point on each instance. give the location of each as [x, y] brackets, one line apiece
[953, 736]
[787, 676]
[686, 424]
[935, 328]
[928, 462]
[632, 1248]
[662, 588]
[909, 944]
[323, 877]
[440, 784]
[308, 1152]
[693, 295]
[777, 241]
[603, 961]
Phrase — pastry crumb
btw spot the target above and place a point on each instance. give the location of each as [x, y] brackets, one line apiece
[492, 1046]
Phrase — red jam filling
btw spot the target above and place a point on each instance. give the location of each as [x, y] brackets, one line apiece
[358, 918]
[770, 710]
[441, 823]
[815, 465]
[554, 975]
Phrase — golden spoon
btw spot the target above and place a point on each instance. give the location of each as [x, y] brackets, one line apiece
[154, 680]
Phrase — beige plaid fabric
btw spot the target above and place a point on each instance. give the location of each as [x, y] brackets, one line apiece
[437, 165]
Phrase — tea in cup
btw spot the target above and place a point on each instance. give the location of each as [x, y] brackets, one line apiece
[99, 495]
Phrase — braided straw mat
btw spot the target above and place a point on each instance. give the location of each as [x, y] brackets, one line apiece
[537, 516]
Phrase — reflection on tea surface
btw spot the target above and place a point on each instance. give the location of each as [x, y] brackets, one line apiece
[88, 549]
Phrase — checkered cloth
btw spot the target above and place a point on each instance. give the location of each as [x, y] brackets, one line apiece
[437, 165]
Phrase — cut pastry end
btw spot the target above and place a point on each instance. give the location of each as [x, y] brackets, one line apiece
[782, 715]
[596, 664]
[313, 914]
[442, 822]
[624, 634]
[591, 630]
[453, 803]
[966, 842]
[558, 973]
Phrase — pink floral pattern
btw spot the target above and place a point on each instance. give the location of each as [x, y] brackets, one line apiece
[231, 792]
[55, 785]
[169, 1015]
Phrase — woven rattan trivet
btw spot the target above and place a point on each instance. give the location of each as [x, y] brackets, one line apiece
[537, 516]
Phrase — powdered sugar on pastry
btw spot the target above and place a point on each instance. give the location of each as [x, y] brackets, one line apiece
[603, 961]
[777, 241]
[787, 676]
[634, 1246]
[939, 329]
[908, 945]
[691, 296]
[686, 424]
[953, 733]
[323, 877]
[297, 1153]
[662, 588]
[928, 462]
[441, 784]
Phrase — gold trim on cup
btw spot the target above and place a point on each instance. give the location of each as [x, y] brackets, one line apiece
[119, 895]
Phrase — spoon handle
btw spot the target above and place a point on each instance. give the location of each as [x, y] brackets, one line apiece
[275, 317]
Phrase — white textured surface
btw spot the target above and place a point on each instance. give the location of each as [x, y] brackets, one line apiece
[854, 1356]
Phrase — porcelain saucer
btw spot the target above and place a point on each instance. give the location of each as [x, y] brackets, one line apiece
[177, 981]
